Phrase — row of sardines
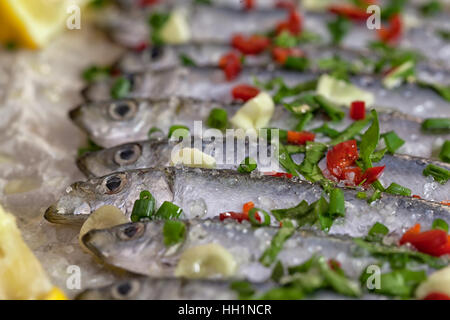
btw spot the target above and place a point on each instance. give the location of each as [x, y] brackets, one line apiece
[267, 149]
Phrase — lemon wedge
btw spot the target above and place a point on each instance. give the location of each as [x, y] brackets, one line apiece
[102, 218]
[32, 24]
[21, 275]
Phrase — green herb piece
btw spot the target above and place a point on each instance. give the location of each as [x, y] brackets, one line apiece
[179, 131]
[218, 119]
[331, 109]
[399, 256]
[98, 4]
[378, 155]
[91, 147]
[309, 168]
[338, 29]
[309, 37]
[351, 131]
[254, 221]
[377, 232]
[157, 21]
[247, 165]
[440, 224]
[436, 124]
[393, 7]
[174, 232]
[321, 209]
[439, 174]
[285, 160]
[278, 272]
[152, 131]
[283, 293]
[397, 283]
[186, 60]
[121, 88]
[393, 141]
[291, 213]
[444, 155]
[270, 254]
[285, 40]
[361, 195]
[94, 73]
[375, 196]
[444, 34]
[431, 8]
[338, 282]
[243, 289]
[168, 211]
[327, 131]
[303, 121]
[294, 149]
[296, 63]
[337, 202]
[203, 2]
[399, 75]
[144, 207]
[442, 90]
[395, 188]
[369, 142]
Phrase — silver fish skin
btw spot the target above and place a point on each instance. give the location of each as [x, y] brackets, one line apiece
[209, 54]
[139, 248]
[217, 25]
[401, 169]
[152, 288]
[111, 123]
[205, 193]
[210, 84]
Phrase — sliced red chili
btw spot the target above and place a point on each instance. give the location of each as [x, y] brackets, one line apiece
[249, 4]
[285, 4]
[358, 110]
[146, 3]
[436, 296]
[414, 230]
[250, 45]
[233, 215]
[341, 156]
[248, 206]
[445, 203]
[416, 196]
[393, 32]
[433, 242]
[334, 264]
[350, 12]
[371, 175]
[230, 63]
[293, 24]
[300, 137]
[280, 55]
[244, 92]
[279, 174]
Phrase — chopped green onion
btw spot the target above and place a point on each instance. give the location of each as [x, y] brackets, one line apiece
[351, 131]
[278, 272]
[442, 90]
[296, 63]
[270, 254]
[331, 109]
[444, 155]
[152, 131]
[338, 29]
[247, 165]
[218, 119]
[369, 141]
[327, 131]
[144, 207]
[338, 282]
[375, 196]
[95, 72]
[243, 288]
[436, 124]
[168, 211]
[157, 21]
[285, 40]
[285, 160]
[444, 34]
[440, 224]
[395, 188]
[337, 202]
[291, 213]
[179, 130]
[361, 195]
[203, 2]
[393, 141]
[439, 174]
[377, 232]
[174, 232]
[252, 217]
[431, 8]
[186, 60]
[378, 155]
[121, 88]
[309, 168]
[304, 120]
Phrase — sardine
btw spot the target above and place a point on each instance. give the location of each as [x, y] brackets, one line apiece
[205, 193]
[209, 24]
[401, 169]
[111, 123]
[210, 83]
[139, 248]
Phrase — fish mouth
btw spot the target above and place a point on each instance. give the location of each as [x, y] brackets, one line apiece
[75, 114]
[53, 215]
[88, 241]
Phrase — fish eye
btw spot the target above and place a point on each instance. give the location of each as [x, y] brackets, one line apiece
[123, 110]
[127, 155]
[115, 183]
[125, 290]
[156, 52]
[131, 231]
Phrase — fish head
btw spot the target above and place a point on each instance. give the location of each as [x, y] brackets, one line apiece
[115, 122]
[130, 289]
[125, 157]
[119, 189]
[125, 245]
